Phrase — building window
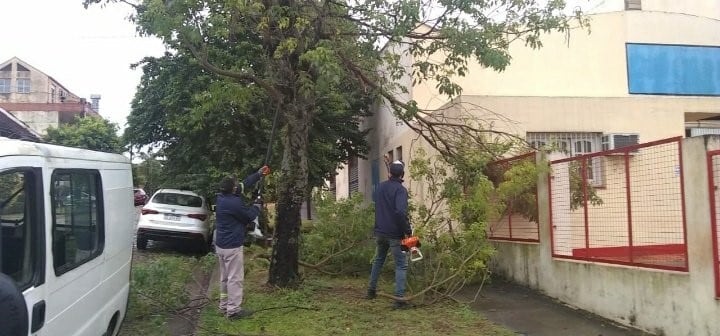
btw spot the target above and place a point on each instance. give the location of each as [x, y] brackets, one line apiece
[573, 144]
[6, 71]
[633, 4]
[77, 216]
[23, 85]
[19, 219]
[398, 153]
[353, 176]
[52, 94]
[5, 85]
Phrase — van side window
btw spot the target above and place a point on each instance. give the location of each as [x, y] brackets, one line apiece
[77, 213]
[19, 221]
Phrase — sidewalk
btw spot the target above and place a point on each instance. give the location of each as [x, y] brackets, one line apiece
[528, 312]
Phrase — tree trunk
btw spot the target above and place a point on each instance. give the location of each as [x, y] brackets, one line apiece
[291, 193]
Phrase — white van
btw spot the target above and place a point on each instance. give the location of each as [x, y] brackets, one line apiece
[67, 221]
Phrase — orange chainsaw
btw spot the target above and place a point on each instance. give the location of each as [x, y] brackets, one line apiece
[412, 244]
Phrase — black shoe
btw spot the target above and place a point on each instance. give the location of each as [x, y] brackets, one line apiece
[371, 294]
[243, 313]
[401, 305]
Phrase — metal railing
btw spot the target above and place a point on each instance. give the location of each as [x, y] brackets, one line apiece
[713, 162]
[636, 217]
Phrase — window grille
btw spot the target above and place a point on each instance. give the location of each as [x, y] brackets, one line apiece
[573, 144]
[353, 179]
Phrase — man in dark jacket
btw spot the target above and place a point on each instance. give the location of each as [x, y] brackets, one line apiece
[232, 215]
[391, 226]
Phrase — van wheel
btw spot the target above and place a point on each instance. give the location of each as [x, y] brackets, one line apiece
[111, 327]
[141, 242]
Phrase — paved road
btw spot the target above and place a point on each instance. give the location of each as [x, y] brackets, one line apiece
[529, 313]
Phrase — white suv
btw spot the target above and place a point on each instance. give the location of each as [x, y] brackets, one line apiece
[175, 215]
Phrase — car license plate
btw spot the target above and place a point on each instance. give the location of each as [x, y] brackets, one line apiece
[172, 217]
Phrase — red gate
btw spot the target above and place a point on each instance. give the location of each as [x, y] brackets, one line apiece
[624, 206]
[713, 162]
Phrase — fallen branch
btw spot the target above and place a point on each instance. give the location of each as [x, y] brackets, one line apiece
[435, 285]
[317, 268]
[328, 258]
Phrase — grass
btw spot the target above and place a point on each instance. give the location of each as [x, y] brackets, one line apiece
[335, 306]
[157, 288]
[322, 305]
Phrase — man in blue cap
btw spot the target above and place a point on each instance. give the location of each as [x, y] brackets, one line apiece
[391, 226]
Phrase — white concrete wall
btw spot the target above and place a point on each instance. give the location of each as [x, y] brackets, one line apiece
[702, 8]
[38, 121]
[661, 302]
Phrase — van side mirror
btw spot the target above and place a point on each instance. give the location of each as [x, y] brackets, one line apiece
[13, 310]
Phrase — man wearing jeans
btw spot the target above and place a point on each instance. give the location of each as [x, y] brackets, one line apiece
[232, 215]
[391, 225]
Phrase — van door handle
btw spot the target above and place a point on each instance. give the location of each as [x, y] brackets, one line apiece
[38, 316]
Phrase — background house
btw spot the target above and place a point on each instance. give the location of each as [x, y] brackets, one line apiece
[648, 70]
[39, 100]
[12, 127]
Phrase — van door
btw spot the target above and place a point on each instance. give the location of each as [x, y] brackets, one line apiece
[77, 234]
[22, 235]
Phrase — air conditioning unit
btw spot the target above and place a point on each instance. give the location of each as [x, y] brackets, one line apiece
[633, 4]
[616, 140]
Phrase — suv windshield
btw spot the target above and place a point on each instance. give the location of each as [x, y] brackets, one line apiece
[178, 199]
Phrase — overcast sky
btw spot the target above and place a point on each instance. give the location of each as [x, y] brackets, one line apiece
[88, 51]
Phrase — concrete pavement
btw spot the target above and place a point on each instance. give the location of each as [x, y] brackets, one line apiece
[528, 312]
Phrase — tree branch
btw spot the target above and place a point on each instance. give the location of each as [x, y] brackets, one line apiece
[246, 77]
[434, 285]
[326, 259]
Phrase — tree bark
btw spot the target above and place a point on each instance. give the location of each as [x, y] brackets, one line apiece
[291, 193]
[297, 109]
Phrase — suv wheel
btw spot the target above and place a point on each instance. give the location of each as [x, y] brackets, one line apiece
[141, 242]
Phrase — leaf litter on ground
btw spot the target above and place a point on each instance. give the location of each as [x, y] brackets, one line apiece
[325, 305]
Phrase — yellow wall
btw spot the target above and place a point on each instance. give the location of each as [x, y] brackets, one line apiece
[705, 8]
[653, 117]
[575, 84]
[582, 64]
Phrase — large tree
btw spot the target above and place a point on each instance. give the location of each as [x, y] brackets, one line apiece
[206, 126]
[303, 52]
[93, 133]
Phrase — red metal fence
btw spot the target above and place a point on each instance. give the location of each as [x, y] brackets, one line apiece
[624, 206]
[713, 162]
[513, 226]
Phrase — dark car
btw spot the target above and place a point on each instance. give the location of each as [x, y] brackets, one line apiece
[139, 196]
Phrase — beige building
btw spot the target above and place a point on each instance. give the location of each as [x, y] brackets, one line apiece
[37, 99]
[649, 70]
[646, 70]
